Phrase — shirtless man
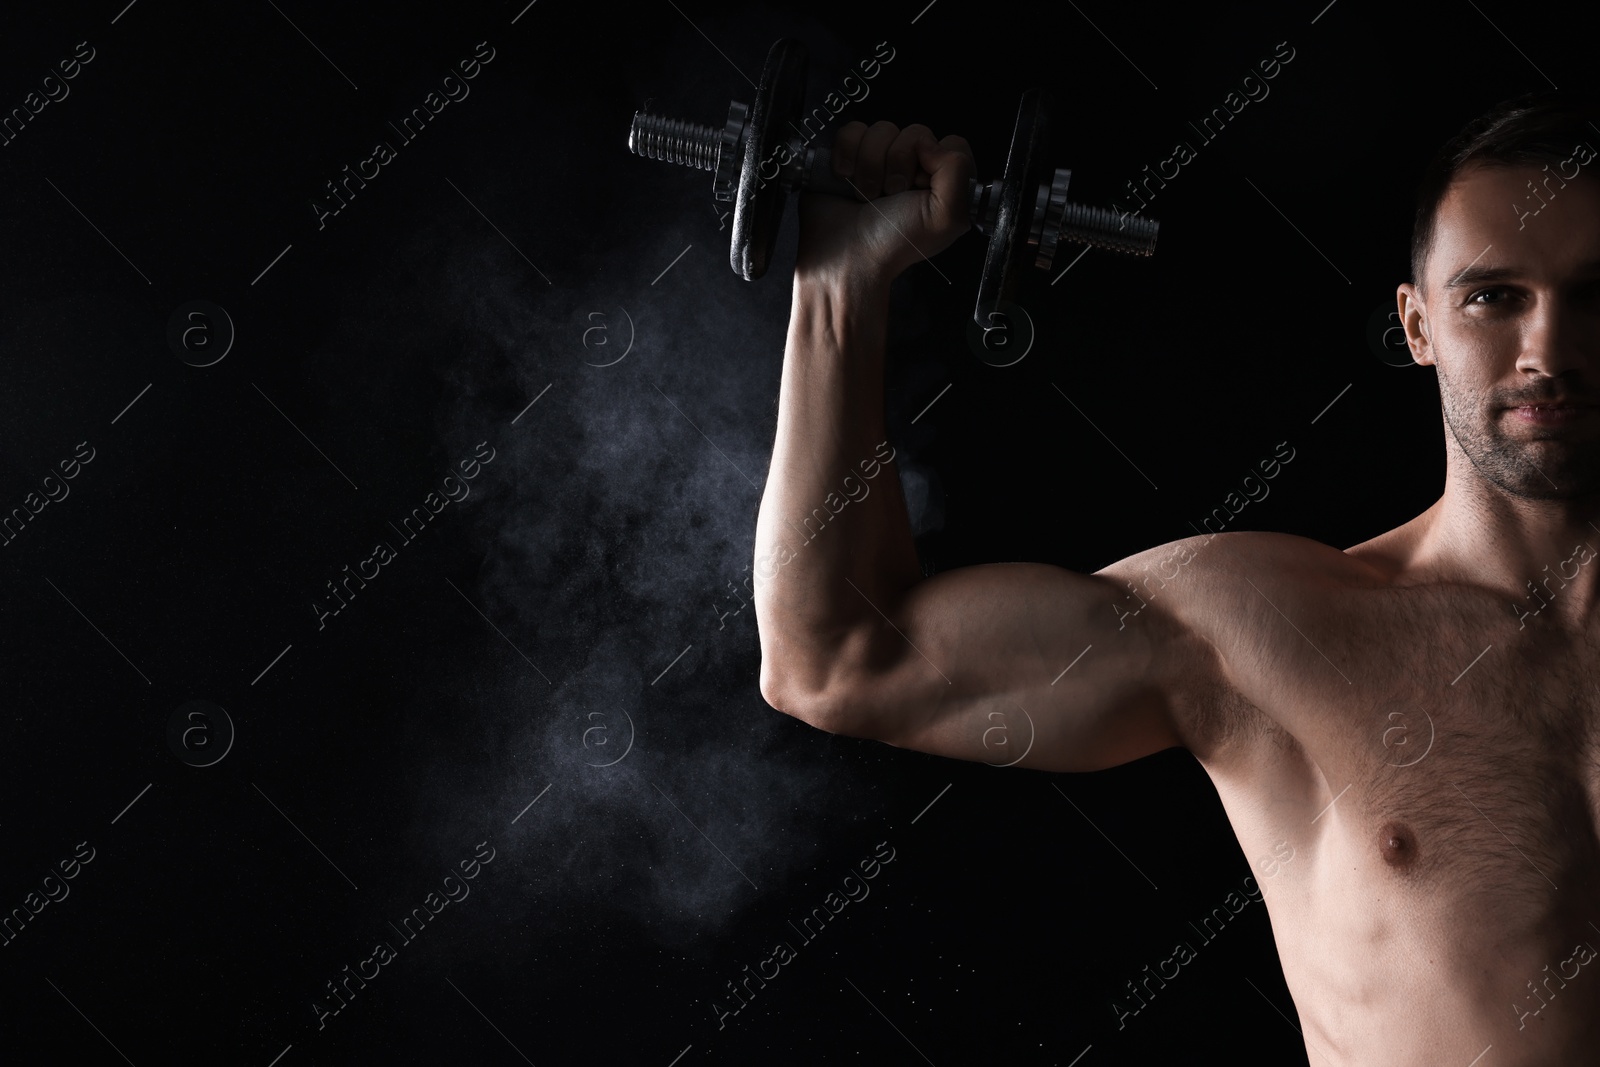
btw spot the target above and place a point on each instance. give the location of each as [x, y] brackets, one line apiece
[1443, 906]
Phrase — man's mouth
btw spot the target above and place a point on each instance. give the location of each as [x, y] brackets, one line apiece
[1557, 413]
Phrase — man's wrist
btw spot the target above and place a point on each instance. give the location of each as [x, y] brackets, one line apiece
[843, 290]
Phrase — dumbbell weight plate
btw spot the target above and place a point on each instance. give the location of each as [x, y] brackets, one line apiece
[1009, 253]
[758, 206]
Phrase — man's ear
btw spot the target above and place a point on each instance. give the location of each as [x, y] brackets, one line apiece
[1414, 318]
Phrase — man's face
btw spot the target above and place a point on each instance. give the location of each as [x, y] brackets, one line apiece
[1509, 314]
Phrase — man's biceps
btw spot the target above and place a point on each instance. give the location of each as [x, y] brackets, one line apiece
[1124, 684]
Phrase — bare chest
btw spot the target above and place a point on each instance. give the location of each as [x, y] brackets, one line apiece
[1421, 748]
[1416, 784]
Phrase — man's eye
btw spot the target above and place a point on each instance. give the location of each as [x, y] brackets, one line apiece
[1473, 299]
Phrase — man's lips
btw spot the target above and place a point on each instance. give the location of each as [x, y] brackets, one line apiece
[1551, 413]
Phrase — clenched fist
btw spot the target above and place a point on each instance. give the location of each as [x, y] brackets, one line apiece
[916, 190]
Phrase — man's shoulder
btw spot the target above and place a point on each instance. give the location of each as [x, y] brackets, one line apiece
[1232, 590]
[1238, 610]
[1209, 563]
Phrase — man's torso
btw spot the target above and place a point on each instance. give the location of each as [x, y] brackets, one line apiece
[1434, 766]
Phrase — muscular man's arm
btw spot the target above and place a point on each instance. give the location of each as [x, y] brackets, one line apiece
[1002, 662]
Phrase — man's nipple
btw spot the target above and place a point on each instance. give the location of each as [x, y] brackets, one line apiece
[1397, 844]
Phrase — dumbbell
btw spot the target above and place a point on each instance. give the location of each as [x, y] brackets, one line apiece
[1023, 215]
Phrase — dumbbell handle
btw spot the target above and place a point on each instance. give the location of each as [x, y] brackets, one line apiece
[813, 173]
[809, 167]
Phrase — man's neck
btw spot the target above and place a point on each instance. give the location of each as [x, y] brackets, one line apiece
[1544, 554]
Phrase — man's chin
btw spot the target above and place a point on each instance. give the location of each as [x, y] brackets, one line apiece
[1546, 469]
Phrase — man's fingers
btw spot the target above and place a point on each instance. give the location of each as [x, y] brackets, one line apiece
[846, 144]
[883, 159]
[952, 143]
[871, 158]
[901, 167]
[956, 143]
[949, 165]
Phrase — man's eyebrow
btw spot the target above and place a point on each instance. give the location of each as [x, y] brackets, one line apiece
[1475, 275]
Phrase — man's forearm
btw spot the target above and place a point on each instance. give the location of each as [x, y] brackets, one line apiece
[833, 513]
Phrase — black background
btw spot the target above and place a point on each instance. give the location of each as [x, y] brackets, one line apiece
[376, 752]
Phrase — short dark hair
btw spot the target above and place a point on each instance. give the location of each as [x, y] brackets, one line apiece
[1539, 127]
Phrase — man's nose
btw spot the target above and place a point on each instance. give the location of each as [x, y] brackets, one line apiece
[1560, 337]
